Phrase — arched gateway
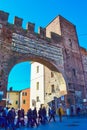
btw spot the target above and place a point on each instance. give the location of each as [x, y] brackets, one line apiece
[55, 46]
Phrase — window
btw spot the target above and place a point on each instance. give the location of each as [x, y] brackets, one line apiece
[33, 103]
[37, 86]
[16, 102]
[52, 89]
[25, 93]
[52, 75]
[70, 42]
[74, 72]
[37, 69]
[37, 99]
[22, 93]
[24, 102]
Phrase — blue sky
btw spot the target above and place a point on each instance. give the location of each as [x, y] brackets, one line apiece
[41, 12]
[19, 77]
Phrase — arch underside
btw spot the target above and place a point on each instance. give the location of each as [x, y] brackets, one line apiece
[52, 66]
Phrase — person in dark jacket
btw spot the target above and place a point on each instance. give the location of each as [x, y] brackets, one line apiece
[20, 119]
[11, 117]
[40, 115]
[34, 117]
[29, 117]
[52, 114]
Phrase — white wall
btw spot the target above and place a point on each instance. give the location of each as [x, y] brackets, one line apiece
[37, 77]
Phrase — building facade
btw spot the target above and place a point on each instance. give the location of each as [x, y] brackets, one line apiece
[13, 99]
[54, 87]
[37, 85]
[19, 99]
[46, 85]
[84, 61]
[73, 63]
[25, 99]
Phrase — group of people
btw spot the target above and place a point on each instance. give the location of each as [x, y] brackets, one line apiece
[7, 118]
[12, 119]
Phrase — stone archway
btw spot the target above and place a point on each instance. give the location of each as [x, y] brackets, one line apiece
[57, 80]
[16, 45]
[14, 54]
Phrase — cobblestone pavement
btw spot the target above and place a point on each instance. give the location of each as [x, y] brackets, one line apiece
[71, 123]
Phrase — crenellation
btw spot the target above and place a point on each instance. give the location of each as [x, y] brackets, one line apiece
[18, 21]
[42, 32]
[30, 27]
[17, 28]
[3, 16]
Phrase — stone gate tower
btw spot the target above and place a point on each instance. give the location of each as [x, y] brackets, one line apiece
[72, 56]
[55, 46]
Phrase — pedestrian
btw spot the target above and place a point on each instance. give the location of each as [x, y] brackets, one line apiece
[78, 111]
[11, 118]
[34, 117]
[4, 117]
[52, 114]
[60, 113]
[44, 115]
[40, 115]
[71, 111]
[20, 119]
[29, 117]
[49, 111]
[68, 112]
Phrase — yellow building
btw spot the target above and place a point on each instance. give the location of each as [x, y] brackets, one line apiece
[13, 99]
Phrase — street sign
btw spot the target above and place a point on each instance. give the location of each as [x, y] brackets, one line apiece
[1, 95]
